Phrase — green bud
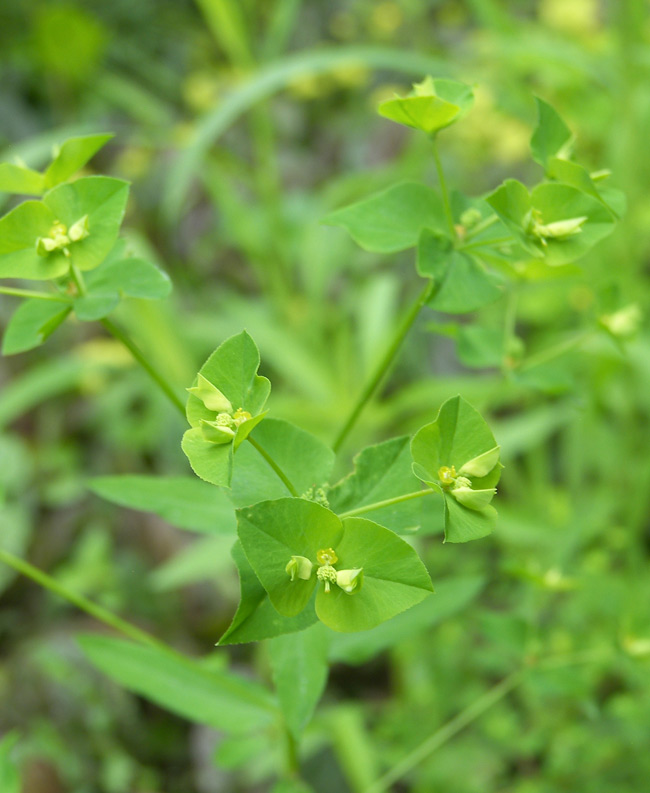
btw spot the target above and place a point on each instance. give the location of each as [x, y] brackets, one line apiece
[210, 395]
[327, 574]
[473, 499]
[299, 567]
[350, 581]
[217, 431]
[470, 217]
[481, 465]
[79, 230]
[56, 241]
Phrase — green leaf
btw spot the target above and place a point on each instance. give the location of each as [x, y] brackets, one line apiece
[452, 594]
[72, 155]
[393, 219]
[218, 699]
[210, 461]
[9, 777]
[570, 173]
[183, 501]
[92, 307]
[128, 277]
[381, 472]
[19, 180]
[19, 231]
[299, 667]
[394, 578]
[103, 200]
[552, 203]
[431, 106]
[551, 137]
[32, 323]
[306, 461]
[458, 435]
[461, 283]
[255, 618]
[271, 532]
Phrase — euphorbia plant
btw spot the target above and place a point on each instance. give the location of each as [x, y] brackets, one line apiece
[308, 548]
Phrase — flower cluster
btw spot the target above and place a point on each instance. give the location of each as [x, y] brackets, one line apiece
[299, 567]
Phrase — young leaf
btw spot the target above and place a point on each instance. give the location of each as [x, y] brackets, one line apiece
[231, 372]
[300, 669]
[461, 283]
[394, 578]
[306, 462]
[393, 219]
[381, 472]
[552, 137]
[459, 446]
[72, 155]
[19, 180]
[9, 777]
[32, 323]
[220, 700]
[255, 618]
[185, 502]
[100, 198]
[431, 106]
[271, 532]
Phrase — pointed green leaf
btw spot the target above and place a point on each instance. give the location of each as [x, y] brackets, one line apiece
[306, 461]
[255, 618]
[73, 154]
[124, 277]
[393, 219]
[182, 501]
[92, 307]
[271, 532]
[431, 106]
[19, 180]
[463, 524]
[210, 461]
[552, 137]
[570, 173]
[32, 323]
[103, 200]
[381, 472]
[300, 669]
[221, 700]
[394, 578]
[461, 283]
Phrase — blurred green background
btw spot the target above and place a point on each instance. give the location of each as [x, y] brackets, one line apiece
[241, 124]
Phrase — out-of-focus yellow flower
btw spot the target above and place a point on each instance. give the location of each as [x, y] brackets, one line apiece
[386, 17]
[579, 17]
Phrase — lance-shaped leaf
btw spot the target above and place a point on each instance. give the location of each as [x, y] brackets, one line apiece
[255, 618]
[305, 460]
[391, 220]
[432, 105]
[551, 137]
[381, 472]
[32, 323]
[72, 155]
[461, 283]
[556, 222]
[232, 370]
[20, 180]
[458, 451]
[394, 578]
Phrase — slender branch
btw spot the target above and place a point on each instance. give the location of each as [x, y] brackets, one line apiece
[387, 503]
[443, 189]
[544, 356]
[82, 602]
[77, 277]
[141, 359]
[446, 732]
[9, 290]
[274, 466]
[485, 243]
[384, 364]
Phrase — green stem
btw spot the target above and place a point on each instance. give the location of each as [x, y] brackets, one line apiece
[446, 732]
[387, 503]
[95, 610]
[384, 364]
[141, 359]
[274, 466]
[481, 226]
[485, 243]
[292, 764]
[443, 189]
[78, 278]
[8, 290]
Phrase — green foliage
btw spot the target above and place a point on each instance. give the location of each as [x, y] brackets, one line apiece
[551, 137]
[431, 106]
[32, 323]
[9, 778]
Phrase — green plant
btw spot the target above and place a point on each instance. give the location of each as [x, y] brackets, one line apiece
[308, 549]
